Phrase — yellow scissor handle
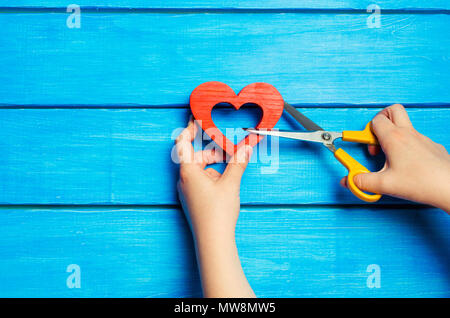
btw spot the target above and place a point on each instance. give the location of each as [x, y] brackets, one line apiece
[354, 168]
[365, 136]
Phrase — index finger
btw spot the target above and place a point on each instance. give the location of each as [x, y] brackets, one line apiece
[398, 115]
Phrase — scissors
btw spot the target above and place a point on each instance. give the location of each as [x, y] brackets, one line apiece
[316, 134]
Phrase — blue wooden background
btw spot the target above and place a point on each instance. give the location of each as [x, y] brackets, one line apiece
[86, 131]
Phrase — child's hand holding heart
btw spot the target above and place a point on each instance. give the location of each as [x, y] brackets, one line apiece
[211, 203]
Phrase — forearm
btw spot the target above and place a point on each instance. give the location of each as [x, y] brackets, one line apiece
[220, 268]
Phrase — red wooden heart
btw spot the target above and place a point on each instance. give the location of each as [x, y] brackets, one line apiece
[207, 95]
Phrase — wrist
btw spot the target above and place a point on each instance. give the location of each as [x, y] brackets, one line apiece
[216, 237]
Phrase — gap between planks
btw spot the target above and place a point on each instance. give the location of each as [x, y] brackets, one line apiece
[402, 206]
[186, 106]
[101, 9]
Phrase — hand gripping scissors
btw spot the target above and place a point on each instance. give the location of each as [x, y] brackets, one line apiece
[316, 134]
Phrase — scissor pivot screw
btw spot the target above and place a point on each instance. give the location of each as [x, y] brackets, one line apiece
[326, 136]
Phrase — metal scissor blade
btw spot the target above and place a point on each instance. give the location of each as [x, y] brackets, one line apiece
[302, 119]
[314, 136]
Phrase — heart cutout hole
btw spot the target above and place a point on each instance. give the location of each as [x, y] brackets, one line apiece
[231, 122]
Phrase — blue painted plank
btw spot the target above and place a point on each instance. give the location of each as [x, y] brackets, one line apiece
[285, 252]
[341, 4]
[123, 156]
[158, 59]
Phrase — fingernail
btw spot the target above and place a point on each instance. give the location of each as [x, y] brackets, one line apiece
[190, 118]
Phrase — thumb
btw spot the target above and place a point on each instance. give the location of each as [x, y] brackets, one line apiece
[369, 182]
[236, 167]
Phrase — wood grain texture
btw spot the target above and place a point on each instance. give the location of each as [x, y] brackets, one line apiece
[289, 252]
[323, 58]
[123, 156]
[158, 59]
[207, 95]
[336, 4]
